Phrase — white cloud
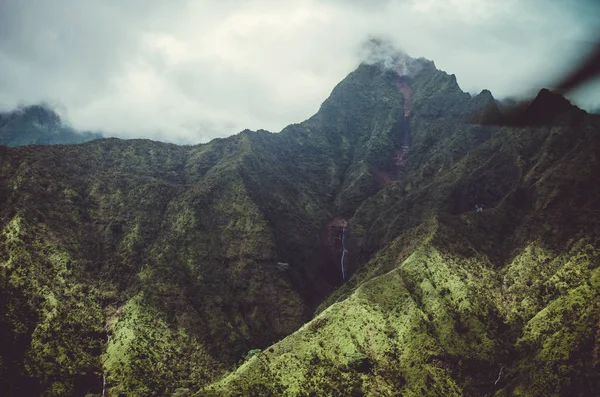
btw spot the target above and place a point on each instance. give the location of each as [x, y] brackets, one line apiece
[188, 71]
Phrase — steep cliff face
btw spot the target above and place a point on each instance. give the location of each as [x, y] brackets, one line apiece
[142, 268]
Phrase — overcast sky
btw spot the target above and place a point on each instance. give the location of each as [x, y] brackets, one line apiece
[187, 71]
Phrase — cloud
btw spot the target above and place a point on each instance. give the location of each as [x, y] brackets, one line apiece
[187, 71]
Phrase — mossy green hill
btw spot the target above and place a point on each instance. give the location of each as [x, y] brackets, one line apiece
[153, 269]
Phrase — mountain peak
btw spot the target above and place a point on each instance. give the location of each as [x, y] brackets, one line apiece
[544, 108]
[38, 124]
[552, 102]
[41, 114]
[386, 55]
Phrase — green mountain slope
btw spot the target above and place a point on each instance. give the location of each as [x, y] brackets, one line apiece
[455, 301]
[38, 125]
[146, 269]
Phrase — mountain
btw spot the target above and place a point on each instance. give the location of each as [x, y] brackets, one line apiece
[38, 125]
[392, 244]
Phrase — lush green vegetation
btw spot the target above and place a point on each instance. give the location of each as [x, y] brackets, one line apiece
[169, 270]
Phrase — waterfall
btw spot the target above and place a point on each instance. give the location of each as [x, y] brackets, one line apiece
[104, 373]
[343, 253]
[403, 85]
[499, 375]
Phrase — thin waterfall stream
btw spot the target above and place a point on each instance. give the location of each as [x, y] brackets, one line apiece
[403, 85]
[103, 372]
[343, 253]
